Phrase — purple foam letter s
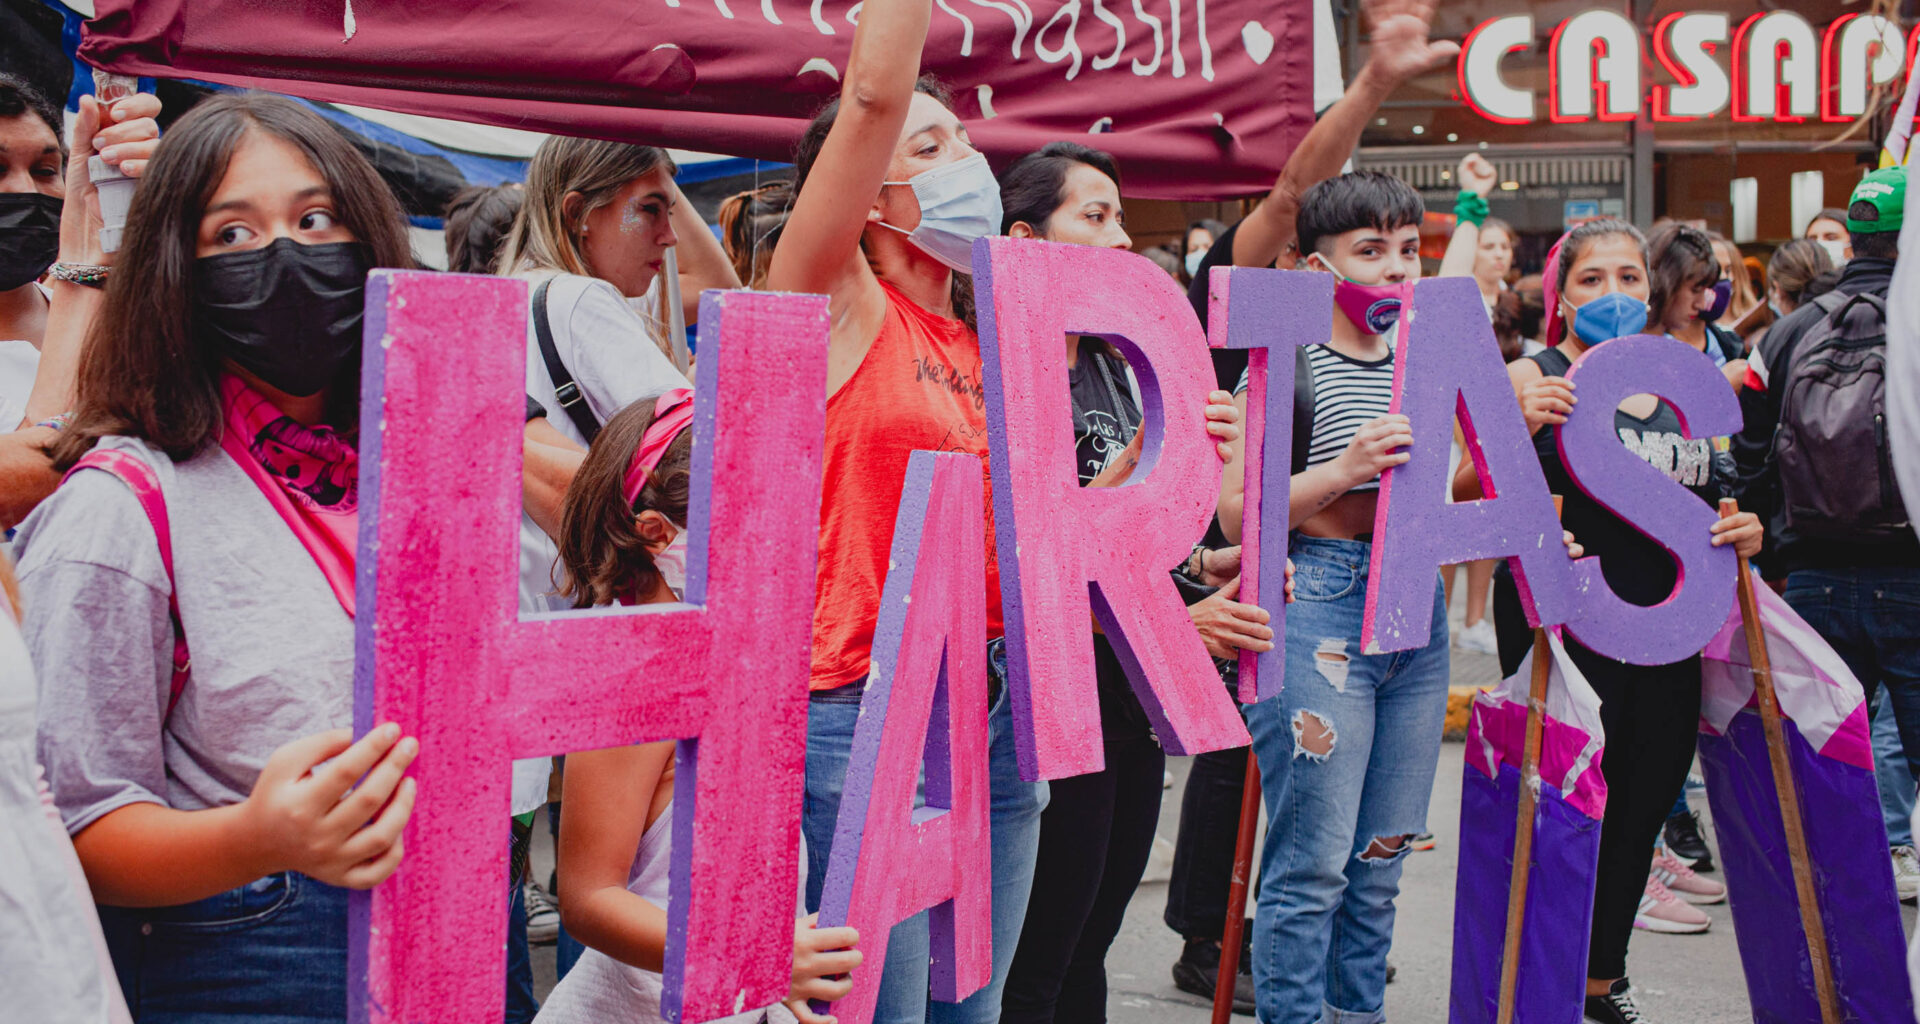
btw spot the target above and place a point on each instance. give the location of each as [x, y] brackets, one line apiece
[1613, 475]
[925, 701]
[1270, 313]
[442, 648]
[1070, 554]
[1447, 365]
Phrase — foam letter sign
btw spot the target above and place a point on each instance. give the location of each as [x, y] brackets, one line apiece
[1070, 554]
[442, 648]
[1271, 313]
[891, 861]
[1613, 475]
[1448, 365]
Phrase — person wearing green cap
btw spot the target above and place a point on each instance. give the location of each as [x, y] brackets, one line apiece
[1816, 462]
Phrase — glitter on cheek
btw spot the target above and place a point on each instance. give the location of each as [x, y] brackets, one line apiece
[631, 219]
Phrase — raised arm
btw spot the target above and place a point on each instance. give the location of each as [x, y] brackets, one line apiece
[1477, 174]
[1400, 50]
[703, 264]
[819, 249]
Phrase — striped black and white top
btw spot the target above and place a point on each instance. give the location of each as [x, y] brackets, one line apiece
[1348, 394]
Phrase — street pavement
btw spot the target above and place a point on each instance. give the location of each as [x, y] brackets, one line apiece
[1681, 979]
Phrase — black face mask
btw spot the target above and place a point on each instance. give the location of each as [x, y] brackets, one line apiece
[29, 236]
[287, 313]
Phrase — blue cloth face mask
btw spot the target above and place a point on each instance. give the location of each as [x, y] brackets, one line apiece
[959, 203]
[1613, 315]
[1193, 261]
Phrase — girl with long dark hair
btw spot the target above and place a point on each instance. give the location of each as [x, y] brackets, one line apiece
[216, 797]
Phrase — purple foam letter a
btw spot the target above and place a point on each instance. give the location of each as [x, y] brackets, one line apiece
[1270, 313]
[442, 649]
[926, 693]
[1448, 364]
[1070, 555]
[1650, 500]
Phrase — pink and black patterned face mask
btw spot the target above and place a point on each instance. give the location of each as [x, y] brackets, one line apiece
[1374, 308]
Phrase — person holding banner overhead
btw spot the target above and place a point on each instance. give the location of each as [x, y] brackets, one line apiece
[1597, 285]
[889, 198]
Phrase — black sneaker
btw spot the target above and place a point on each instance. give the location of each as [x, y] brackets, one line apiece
[1683, 838]
[1616, 1007]
[1198, 968]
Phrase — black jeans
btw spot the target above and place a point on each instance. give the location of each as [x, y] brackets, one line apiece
[1203, 849]
[1095, 837]
[1651, 714]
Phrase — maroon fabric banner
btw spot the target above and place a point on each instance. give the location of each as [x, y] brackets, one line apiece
[1199, 99]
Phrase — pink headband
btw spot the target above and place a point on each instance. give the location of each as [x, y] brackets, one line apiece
[1550, 293]
[671, 414]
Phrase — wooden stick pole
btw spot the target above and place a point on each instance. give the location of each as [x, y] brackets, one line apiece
[1523, 818]
[1237, 893]
[1787, 791]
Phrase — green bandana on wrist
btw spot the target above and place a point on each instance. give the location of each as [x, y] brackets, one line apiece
[1471, 208]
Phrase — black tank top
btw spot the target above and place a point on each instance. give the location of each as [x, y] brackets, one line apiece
[1638, 569]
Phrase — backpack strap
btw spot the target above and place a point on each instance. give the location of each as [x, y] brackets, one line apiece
[572, 402]
[1303, 395]
[139, 478]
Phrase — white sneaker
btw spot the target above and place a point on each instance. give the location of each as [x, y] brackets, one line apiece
[1478, 638]
[1906, 873]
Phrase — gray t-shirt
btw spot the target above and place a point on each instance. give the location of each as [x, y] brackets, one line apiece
[272, 649]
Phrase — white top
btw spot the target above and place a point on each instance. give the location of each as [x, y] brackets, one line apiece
[19, 362]
[615, 361]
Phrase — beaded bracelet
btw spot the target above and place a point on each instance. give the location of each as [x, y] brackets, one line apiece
[90, 274]
[1471, 208]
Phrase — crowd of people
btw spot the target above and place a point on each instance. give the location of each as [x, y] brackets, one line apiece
[181, 469]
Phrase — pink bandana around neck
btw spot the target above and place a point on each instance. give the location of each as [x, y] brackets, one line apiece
[671, 414]
[310, 475]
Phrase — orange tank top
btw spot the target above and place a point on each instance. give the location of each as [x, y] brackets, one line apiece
[919, 387]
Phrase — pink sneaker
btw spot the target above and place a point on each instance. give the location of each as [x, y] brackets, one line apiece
[1685, 882]
[1662, 911]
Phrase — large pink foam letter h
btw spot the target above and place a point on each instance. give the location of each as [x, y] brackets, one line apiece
[443, 650]
[1269, 313]
[1068, 554]
[1447, 365]
[1591, 445]
[925, 704]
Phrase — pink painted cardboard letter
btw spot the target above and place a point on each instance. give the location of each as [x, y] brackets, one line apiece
[1068, 554]
[1447, 364]
[1613, 475]
[925, 703]
[443, 650]
[1271, 313]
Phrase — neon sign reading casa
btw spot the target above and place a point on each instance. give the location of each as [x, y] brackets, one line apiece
[1782, 68]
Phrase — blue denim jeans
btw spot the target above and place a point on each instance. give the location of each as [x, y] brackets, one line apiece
[273, 951]
[521, 1005]
[1871, 617]
[1891, 776]
[1347, 756]
[1015, 823]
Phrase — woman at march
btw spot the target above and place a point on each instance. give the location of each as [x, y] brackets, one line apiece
[890, 196]
[623, 538]
[221, 810]
[1686, 289]
[1201, 236]
[1097, 830]
[1597, 290]
[1791, 274]
[1745, 309]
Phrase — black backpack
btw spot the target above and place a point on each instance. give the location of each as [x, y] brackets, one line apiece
[1836, 469]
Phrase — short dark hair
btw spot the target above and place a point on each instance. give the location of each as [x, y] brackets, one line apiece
[17, 98]
[1035, 186]
[1351, 202]
[477, 220]
[1875, 245]
[1679, 256]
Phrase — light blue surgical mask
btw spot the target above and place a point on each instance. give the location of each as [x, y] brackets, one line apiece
[1613, 315]
[959, 204]
[1193, 261]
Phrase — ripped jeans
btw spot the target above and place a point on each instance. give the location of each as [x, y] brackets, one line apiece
[1347, 756]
